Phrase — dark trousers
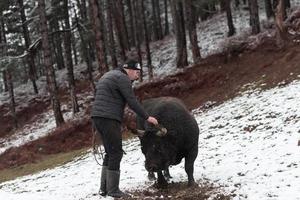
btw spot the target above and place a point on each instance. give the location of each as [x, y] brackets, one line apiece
[110, 132]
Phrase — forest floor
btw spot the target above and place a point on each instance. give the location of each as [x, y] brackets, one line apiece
[216, 79]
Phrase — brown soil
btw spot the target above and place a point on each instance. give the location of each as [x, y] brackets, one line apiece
[180, 191]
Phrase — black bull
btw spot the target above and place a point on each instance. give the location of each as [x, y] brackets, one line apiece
[181, 140]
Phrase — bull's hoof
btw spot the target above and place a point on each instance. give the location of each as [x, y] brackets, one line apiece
[167, 175]
[161, 181]
[151, 176]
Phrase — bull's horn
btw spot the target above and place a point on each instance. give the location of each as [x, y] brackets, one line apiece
[140, 132]
[162, 132]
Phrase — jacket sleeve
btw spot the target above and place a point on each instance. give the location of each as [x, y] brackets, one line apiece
[126, 90]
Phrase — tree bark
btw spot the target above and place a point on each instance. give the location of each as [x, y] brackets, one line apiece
[104, 33]
[191, 25]
[124, 24]
[269, 9]
[5, 80]
[12, 98]
[52, 87]
[137, 25]
[30, 57]
[287, 3]
[57, 42]
[167, 31]
[281, 32]
[156, 20]
[95, 9]
[148, 53]
[69, 61]
[231, 29]
[111, 38]
[254, 17]
[85, 53]
[119, 27]
[3, 51]
[178, 21]
[131, 24]
[73, 43]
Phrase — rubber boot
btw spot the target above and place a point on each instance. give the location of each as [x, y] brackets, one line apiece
[103, 183]
[113, 180]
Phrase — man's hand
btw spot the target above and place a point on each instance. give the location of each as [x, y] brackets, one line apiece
[152, 120]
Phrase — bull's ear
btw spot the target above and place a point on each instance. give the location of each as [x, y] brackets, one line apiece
[139, 133]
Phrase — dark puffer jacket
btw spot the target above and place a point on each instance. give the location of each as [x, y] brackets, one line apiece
[113, 91]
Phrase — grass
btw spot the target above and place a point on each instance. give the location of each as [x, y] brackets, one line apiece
[47, 162]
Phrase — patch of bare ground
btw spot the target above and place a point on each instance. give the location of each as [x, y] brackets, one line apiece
[180, 191]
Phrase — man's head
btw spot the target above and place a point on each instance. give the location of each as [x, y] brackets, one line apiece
[133, 69]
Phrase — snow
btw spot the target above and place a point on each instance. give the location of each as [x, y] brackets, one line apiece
[247, 145]
[41, 127]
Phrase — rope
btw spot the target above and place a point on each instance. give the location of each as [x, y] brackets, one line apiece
[97, 151]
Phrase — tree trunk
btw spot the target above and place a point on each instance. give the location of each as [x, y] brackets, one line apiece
[4, 52]
[131, 23]
[287, 3]
[52, 87]
[4, 76]
[95, 9]
[85, 53]
[275, 3]
[281, 32]
[124, 25]
[156, 20]
[119, 27]
[269, 9]
[69, 61]
[167, 31]
[73, 43]
[177, 14]
[103, 30]
[111, 38]
[137, 25]
[30, 57]
[148, 53]
[12, 98]
[254, 17]
[231, 29]
[57, 42]
[191, 25]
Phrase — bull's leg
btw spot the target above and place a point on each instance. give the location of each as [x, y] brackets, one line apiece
[167, 174]
[151, 176]
[189, 166]
[161, 181]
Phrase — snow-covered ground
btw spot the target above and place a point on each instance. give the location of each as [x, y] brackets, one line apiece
[247, 145]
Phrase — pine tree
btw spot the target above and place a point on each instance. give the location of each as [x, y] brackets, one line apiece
[52, 87]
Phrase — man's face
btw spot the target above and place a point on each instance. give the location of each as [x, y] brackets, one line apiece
[133, 74]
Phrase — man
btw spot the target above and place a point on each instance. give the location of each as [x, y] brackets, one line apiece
[113, 91]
